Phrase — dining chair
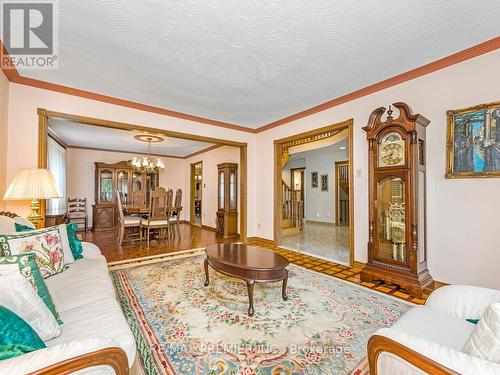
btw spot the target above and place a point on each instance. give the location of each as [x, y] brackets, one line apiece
[138, 200]
[158, 217]
[172, 220]
[125, 222]
[77, 212]
[176, 210]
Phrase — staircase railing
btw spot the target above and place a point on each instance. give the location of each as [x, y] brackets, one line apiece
[343, 209]
[292, 206]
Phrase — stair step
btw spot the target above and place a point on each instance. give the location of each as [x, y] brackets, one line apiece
[290, 231]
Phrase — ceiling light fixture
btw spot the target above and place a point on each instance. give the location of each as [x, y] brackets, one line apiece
[145, 164]
[342, 148]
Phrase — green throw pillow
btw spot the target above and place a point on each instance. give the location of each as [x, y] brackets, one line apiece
[29, 269]
[16, 336]
[22, 228]
[473, 321]
[74, 242]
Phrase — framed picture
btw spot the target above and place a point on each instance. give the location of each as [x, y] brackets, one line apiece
[314, 179]
[473, 142]
[324, 182]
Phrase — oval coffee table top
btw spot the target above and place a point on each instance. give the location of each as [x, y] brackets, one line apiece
[247, 257]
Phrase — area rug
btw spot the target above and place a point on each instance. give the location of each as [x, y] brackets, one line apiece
[182, 327]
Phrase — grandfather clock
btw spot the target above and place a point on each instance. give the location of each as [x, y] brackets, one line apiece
[227, 200]
[396, 167]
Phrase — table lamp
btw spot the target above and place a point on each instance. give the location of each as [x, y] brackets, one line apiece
[33, 184]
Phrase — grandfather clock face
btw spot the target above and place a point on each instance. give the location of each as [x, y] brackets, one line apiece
[391, 150]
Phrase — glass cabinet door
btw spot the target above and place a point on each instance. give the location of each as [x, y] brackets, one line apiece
[232, 190]
[390, 207]
[106, 185]
[136, 181]
[221, 191]
[122, 185]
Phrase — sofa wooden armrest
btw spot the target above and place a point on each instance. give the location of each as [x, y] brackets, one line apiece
[113, 357]
[378, 344]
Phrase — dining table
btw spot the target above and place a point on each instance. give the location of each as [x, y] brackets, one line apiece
[144, 212]
[135, 210]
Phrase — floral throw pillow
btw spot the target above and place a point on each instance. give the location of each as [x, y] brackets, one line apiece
[44, 243]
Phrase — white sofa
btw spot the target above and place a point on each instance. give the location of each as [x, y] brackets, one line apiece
[93, 323]
[430, 338]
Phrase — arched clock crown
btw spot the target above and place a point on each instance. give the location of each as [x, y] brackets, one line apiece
[397, 252]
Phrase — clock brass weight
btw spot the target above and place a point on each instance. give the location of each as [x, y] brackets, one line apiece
[397, 170]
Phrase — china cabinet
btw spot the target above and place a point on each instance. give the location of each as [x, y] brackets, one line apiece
[120, 177]
[396, 173]
[227, 200]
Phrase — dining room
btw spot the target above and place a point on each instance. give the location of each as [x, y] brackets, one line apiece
[129, 189]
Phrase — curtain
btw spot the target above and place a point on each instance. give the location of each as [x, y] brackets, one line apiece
[56, 163]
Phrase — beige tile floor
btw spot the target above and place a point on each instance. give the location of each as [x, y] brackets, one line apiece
[326, 241]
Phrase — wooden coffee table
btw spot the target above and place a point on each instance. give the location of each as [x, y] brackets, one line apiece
[249, 263]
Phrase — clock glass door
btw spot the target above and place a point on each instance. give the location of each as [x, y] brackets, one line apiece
[390, 207]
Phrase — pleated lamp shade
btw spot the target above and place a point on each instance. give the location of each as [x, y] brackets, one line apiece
[32, 184]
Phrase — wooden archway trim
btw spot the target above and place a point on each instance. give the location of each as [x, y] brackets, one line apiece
[44, 114]
[280, 147]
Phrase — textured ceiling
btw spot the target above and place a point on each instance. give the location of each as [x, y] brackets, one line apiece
[253, 62]
[76, 134]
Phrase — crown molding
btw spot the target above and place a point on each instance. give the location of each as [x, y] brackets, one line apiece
[488, 46]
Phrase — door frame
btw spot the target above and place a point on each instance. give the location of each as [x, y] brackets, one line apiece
[192, 193]
[337, 186]
[280, 147]
[44, 114]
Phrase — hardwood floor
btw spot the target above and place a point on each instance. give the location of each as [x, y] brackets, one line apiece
[191, 237]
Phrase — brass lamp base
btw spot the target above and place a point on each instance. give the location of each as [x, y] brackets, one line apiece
[35, 216]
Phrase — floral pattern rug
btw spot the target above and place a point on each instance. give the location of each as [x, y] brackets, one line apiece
[182, 327]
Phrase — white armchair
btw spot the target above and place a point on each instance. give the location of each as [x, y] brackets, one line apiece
[429, 339]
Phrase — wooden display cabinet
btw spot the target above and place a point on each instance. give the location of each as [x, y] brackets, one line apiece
[227, 200]
[112, 177]
[397, 172]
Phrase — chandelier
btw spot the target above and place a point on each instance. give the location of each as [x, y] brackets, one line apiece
[146, 164]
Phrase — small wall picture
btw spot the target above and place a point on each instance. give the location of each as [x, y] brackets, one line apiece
[324, 182]
[473, 142]
[314, 179]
